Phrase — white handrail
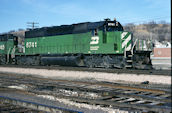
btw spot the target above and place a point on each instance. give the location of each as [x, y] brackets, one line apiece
[8, 55]
[125, 53]
[133, 46]
[13, 52]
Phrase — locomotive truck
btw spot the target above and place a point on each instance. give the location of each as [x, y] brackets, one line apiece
[91, 44]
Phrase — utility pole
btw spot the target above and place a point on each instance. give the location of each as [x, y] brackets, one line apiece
[32, 25]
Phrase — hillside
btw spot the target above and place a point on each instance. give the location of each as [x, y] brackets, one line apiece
[156, 31]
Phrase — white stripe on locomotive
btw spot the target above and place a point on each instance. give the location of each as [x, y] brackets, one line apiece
[128, 48]
[126, 41]
[123, 34]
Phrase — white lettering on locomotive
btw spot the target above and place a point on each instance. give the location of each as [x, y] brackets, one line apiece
[111, 24]
[94, 40]
[2, 47]
[94, 47]
[31, 44]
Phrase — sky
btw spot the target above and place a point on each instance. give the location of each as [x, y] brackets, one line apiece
[14, 14]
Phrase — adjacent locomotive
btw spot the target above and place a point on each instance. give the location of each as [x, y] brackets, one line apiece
[90, 44]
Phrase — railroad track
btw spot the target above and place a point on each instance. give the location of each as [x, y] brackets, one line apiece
[129, 98]
[120, 71]
[6, 107]
[20, 99]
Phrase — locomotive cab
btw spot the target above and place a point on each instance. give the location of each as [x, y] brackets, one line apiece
[113, 26]
[112, 34]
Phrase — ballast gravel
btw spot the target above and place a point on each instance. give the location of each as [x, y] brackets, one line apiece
[88, 76]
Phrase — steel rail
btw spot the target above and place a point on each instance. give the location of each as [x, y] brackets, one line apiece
[34, 105]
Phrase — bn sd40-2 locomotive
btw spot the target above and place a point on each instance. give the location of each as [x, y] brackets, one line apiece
[90, 44]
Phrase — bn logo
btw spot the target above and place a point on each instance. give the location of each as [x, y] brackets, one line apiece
[94, 40]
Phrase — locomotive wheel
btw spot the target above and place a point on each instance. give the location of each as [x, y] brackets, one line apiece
[106, 60]
[107, 65]
[3, 59]
[147, 60]
[89, 64]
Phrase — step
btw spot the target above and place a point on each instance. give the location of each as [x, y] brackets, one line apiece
[129, 55]
[128, 66]
[128, 52]
[129, 61]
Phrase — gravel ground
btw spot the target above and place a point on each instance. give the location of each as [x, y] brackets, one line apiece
[89, 76]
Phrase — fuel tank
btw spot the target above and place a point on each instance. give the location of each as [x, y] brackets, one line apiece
[61, 60]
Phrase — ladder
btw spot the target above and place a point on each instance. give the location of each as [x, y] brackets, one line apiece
[129, 56]
[129, 59]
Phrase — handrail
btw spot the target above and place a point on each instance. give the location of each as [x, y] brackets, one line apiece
[8, 55]
[125, 53]
[133, 46]
[13, 52]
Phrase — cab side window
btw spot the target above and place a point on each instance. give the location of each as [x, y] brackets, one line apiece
[94, 32]
[16, 41]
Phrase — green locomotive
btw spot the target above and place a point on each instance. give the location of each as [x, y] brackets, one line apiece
[91, 44]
